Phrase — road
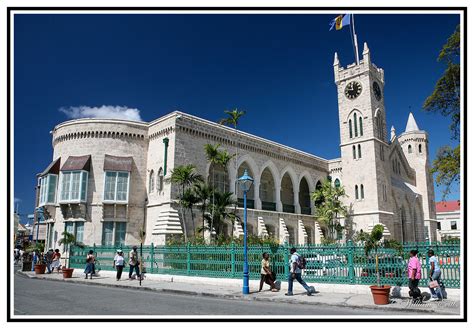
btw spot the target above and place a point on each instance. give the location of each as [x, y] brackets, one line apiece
[44, 297]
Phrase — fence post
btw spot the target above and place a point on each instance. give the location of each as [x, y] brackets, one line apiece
[152, 257]
[233, 259]
[286, 260]
[188, 259]
[350, 260]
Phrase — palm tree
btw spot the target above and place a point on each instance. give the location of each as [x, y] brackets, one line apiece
[233, 120]
[212, 154]
[188, 201]
[184, 176]
[328, 205]
[203, 193]
[68, 240]
[223, 201]
[223, 159]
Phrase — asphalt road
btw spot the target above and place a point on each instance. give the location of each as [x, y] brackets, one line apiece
[44, 297]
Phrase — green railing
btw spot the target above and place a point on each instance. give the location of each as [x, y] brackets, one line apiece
[289, 208]
[271, 206]
[250, 203]
[339, 264]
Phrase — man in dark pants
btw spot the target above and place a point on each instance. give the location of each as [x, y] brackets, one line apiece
[133, 262]
[295, 273]
[414, 276]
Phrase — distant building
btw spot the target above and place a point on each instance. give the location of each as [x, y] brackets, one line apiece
[448, 217]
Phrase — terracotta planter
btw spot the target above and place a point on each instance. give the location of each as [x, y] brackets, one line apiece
[381, 294]
[67, 272]
[40, 268]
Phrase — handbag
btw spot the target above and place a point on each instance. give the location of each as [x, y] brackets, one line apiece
[434, 284]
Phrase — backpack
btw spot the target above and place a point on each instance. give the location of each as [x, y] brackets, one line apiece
[301, 262]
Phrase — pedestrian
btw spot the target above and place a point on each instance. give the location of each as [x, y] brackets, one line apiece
[414, 276]
[118, 263]
[48, 260]
[56, 263]
[266, 275]
[296, 265]
[90, 259]
[435, 276]
[16, 255]
[133, 262]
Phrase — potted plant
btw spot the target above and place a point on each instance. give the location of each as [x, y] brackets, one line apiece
[380, 293]
[68, 239]
[37, 248]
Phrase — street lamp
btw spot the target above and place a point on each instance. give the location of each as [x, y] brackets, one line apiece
[245, 183]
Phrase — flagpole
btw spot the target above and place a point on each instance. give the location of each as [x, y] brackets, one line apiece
[355, 40]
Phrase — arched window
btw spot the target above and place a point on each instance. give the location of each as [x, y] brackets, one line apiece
[151, 182]
[357, 192]
[419, 148]
[360, 126]
[160, 179]
[353, 151]
[359, 151]
[361, 191]
[355, 124]
[350, 128]
[337, 183]
[409, 149]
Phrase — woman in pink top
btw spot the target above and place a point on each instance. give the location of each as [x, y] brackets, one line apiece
[414, 275]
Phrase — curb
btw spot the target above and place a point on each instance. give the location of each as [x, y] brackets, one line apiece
[234, 297]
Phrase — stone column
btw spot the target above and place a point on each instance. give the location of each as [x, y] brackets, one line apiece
[296, 199]
[256, 192]
[279, 205]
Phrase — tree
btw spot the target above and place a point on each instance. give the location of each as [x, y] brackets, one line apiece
[233, 118]
[223, 159]
[445, 100]
[203, 193]
[220, 211]
[328, 206]
[184, 176]
[68, 240]
[372, 242]
[188, 201]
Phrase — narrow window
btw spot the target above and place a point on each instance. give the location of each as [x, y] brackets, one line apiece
[151, 182]
[359, 151]
[409, 149]
[361, 191]
[350, 128]
[419, 148]
[454, 225]
[337, 182]
[360, 126]
[355, 124]
[160, 179]
[353, 152]
[357, 192]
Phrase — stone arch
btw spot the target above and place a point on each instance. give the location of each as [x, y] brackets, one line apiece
[304, 196]
[269, 186]
[289, 190]
[245, 165]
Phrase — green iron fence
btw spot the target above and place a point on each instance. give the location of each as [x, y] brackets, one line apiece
[340, 263]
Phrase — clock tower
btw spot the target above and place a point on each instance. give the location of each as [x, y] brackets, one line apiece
[364, 147]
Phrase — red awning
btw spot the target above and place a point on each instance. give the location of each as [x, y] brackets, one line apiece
[53, 168]
[116, 163]
[77, 163]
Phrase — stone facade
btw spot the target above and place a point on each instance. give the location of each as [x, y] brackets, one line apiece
[387, 181]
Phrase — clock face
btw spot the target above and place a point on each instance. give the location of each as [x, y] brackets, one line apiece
[353, 90]
[377, 91]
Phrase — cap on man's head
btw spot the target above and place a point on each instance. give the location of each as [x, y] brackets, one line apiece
[119, 250]
[292, 250]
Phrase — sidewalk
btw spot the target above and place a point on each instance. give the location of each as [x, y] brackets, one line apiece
[326, 294]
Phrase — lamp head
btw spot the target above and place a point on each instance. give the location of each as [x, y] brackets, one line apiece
[245, 182]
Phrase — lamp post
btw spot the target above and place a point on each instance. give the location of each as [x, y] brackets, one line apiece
[245, 182]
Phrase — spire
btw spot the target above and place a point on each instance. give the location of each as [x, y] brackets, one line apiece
[366, 49]
[392, 133]
[336, 60]
[411, 124]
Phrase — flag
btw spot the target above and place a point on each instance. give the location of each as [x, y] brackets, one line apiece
[340, 21]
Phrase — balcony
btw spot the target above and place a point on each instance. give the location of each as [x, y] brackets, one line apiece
[250, 203]
[270, 206]
[289, 208]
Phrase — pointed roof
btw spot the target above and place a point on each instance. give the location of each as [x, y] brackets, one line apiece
[411, 124]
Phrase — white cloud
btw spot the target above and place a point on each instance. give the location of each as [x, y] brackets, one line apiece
[104, 112]
[16, 200]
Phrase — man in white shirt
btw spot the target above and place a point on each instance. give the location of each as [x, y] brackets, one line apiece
[133, 262]
[295, 273]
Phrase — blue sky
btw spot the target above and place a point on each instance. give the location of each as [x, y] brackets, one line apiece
[276, 67]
